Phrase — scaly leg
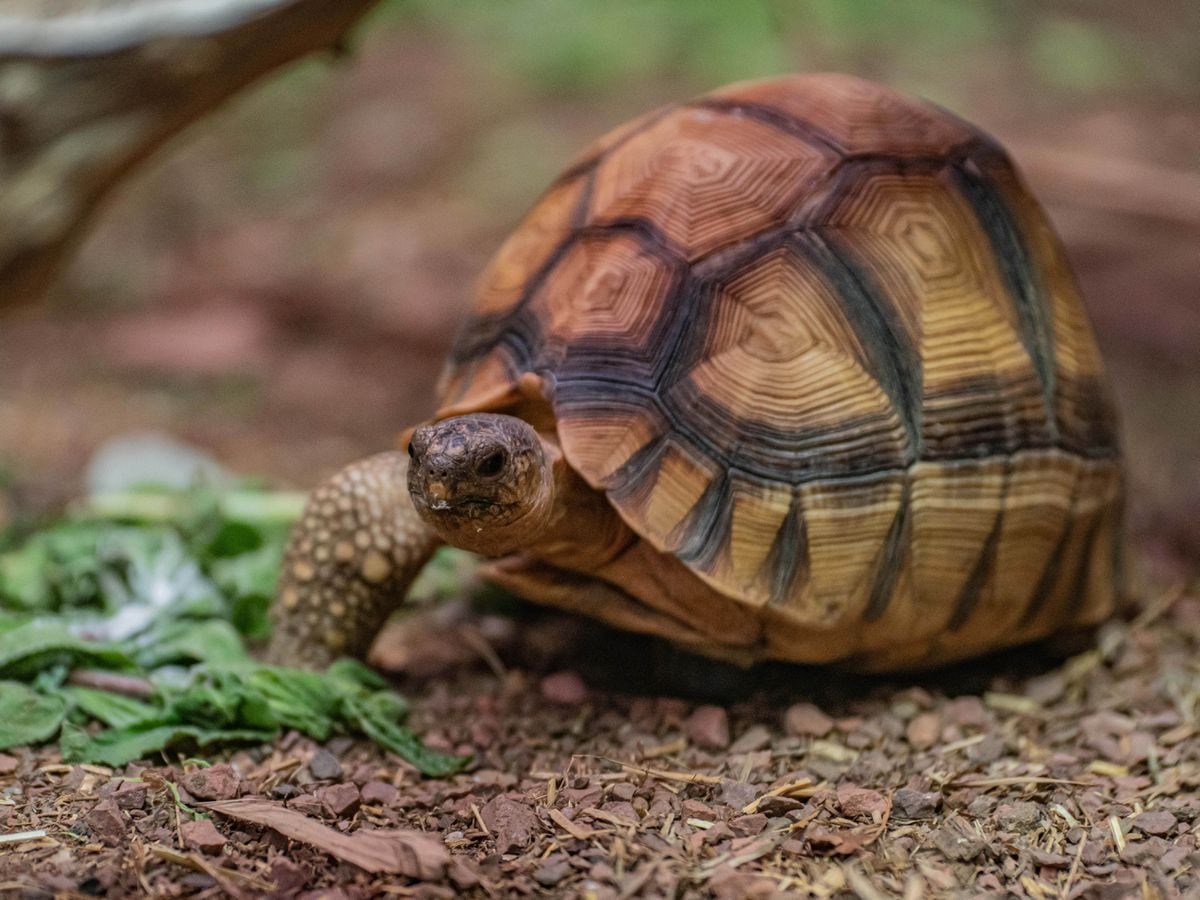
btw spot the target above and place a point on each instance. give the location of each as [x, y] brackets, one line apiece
[349, 563]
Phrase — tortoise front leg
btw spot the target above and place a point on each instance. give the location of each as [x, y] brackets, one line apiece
[349, 563]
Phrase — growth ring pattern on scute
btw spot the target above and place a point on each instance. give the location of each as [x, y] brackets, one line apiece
[816, 339]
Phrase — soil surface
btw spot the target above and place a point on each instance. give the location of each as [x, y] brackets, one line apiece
[648, 773]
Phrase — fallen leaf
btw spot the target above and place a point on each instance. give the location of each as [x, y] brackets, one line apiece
[413, 854]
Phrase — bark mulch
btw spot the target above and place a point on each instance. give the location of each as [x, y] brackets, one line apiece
[609, 767]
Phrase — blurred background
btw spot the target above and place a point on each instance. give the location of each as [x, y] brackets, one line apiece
[278, 286]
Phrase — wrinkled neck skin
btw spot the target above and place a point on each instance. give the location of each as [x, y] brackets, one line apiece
[582, 530]
[492, 485]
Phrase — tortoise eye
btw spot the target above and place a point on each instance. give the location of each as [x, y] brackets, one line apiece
[492, 464]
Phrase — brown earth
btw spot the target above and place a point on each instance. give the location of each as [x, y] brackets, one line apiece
[1015, 776]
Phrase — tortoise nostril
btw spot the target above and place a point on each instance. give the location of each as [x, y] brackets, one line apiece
[492, 464]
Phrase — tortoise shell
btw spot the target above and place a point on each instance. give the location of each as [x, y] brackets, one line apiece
[816, 340]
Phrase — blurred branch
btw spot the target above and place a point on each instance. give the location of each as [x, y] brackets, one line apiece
[89, 88]
[1112, 185]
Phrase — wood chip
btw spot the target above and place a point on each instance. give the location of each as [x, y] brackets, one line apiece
[610, 818]
[1114, 825]
[1014, 781]
[1012, 703]
[1108, 769]
[665, 774]
[228, 879]
[479, 819]
[668, 749]
[801, 787]
[575, 830]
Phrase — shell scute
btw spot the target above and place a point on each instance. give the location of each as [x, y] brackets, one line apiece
[706, 179]
[853, 116]
[529, 248]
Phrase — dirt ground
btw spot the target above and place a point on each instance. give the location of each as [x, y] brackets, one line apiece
[646, 773]
[286, 309]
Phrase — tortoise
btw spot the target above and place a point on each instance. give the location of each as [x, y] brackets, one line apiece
[796, 370]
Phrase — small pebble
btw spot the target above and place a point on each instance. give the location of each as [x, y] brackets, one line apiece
[806, 720]
[324, 766]
[756, 737]
[967, 710]
[1154, 822]
[511, 823]
[737, 794]
[341, 800]
[566, 688]
[910, 804]
[748, 826]
[202, 835]
[923, 730]
[957, 845]
[981, 807]
[106, 823]
[552, 871]
[378, 793]
[287, 876]
[307, 804]
[130, 795]
[219, 782]
[1020, 816]
[708, 727]
[859, 801]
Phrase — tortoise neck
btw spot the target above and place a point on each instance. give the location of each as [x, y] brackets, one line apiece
[582, 530]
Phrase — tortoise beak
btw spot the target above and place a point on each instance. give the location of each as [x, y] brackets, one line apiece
[436, 493]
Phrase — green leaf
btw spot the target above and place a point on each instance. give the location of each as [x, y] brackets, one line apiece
[205, 704]
[254, 572]
[22, 578]
[111, 709]
[375, 717]
[233, 539]
[298, 699]
[212, 641]
[118, 746]
[180, 588]
[27, 717]
[160, 573]
[38, 645]
[251, 616]
[351, 676]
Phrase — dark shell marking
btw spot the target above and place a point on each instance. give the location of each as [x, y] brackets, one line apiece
[816, 339]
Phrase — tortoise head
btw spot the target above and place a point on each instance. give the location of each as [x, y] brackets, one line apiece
[483, 481]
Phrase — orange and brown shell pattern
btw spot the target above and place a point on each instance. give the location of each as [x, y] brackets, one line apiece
[816, 339]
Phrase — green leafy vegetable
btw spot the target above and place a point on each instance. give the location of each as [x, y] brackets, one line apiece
[27, 717]
[109, 708]
[168, 587]
[118, 746]
[38, 645]
[376, 717]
